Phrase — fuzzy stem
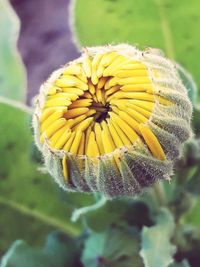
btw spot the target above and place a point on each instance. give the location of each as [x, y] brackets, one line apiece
[159, 193]
[79, 212]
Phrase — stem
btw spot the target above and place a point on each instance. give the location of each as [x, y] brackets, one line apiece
[165, 27]
[79, 212]
[159, 194]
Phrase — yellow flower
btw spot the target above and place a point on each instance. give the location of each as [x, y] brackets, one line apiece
[112, 121]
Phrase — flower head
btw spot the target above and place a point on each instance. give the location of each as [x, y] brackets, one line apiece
[112, 121]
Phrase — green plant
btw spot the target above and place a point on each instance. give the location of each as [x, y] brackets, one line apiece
[157, 229]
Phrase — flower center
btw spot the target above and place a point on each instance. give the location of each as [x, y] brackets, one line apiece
[102, 112]
[98, 104]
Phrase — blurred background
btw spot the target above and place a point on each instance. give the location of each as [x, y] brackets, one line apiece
[45, 40]
[38, 36]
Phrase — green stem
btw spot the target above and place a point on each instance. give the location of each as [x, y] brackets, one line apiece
[159, 194]
[165, 27]
[79, 212]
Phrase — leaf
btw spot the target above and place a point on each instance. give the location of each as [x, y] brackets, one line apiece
[138, 214]
[144, 23]
[196, 121]
[180, 264]
[26, 193]
[113, 211]
[193, 216]
[156, 248]
[17, 225]
[12, 72]
[134, 212]
[59, 251]
[193, 185]
[190, 155]
[188, 82]
[115, 247]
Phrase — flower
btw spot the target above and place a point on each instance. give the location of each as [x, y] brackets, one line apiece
[112, 121]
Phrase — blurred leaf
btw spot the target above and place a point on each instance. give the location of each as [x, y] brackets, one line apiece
[196, 120]
[180, 264]
[138, 214]
[156, 248]
[190, 155]
[188, 82]
[112, 211]
[36, 154]
[188, 242]
[116, 247]
[193, 216]
[193, 185]
[133, 211]
[12, 72]
[59, 251]
[17, 225]
[147, 23]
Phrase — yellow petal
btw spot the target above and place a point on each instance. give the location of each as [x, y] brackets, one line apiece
[62, 139]
[75, 112]
[76, 142]
[81, 145]
[152, 142]
[69, 142]
[92, 148]
[65, 168]
[97, 130]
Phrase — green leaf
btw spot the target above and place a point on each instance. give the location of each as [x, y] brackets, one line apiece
[190, 155]
[193, 185]
[138, 214]
[156, 248]
[193, 216]
[59, 251]
[188, 82]
[12, 72]
[196, 121]
[134, 212]
[146, 23]
[180, 264]
[115, 247]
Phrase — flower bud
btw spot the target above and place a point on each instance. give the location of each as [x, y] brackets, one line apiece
[112, 121]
